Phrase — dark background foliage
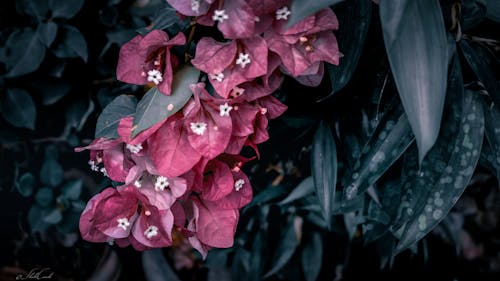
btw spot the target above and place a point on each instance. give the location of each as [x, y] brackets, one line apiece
[57, 73]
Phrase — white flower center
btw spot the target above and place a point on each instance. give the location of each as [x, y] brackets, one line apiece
[151, 231]
[134, 148]
[198, 128]
[104, 172]
[220, 16]
[123, 223]
[239, 184]
[219, 77]
[224, 109]
[243, 60]
[138, 183]
[195, 5]
[161, 183]
[93, 166]
[283, 13]
[155, 76]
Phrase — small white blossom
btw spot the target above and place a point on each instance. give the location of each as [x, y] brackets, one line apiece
[134, 148]
[219, 77]
[151, 231]
[138, 183]
[220, 16]
[243, 60]
[195, 5]
[123, 223]
[283, 13]
[155, 76]
[224, 109]
[198, 128]
[239, 184]
[104, 172]
[161, 183]
[93, 166]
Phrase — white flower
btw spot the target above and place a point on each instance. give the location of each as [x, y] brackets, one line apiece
[283, 13]
[155, 76]
[161, 183]
[198, 128]
[243, 60]
[224, 109]
[220, 16]
[104, 172]
[219, 76]
[93, 166]
[195, 5]
[134, 148]
[151, 231]
[123, 223]
[239, 184]
[138, 183]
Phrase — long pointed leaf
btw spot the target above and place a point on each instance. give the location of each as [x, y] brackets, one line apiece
[416, 45]
[324, 169]
[312, 257]
[155, 106]
[301, 9]
[108, 121]
[285, 249]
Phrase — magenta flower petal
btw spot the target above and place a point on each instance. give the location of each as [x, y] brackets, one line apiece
[215, 226]
[218, 183]
[187, 8]
[243, 119]
[241, 193]
[154, 228]
[213, 57]
[129, 68]
[240, 22]
[170, 150]
[273, 106]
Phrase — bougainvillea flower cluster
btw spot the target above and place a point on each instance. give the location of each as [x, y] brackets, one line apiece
[184, 173]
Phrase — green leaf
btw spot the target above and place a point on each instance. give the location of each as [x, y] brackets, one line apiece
[268, 194]
[312, 256]
[303, 189]
[24, 52]
[72, 44]
[72, 189]
[78, 112]
[164, 19]
[453, 180]
[44, 196]
[301, 9]
[482, 64]
[388, 142]
[47, 32]
[35, 219]
[153, 106]
[25, 184]
[493, 10]
[36, 8]
[53, 217]
[354, 18]
[65, 9]
[50, 89]
[324, 169]
[108, 121]
[416, 45]
[285, 249]
[156, 267]
[19, 109]
[51, 172]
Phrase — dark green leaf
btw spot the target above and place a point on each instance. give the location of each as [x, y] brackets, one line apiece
[268, 194]
[416, 45]
[24, 52]
[354, 18]
[109, 267]
[51, 172]
[78, 112]
[473, 12]
[44, 196]
[303, 189]
[493, 10]
[452, 181]
[35, 8]
[312, 256]
[301, 9]
[481, 63]
[25, 184]
[241, 263]
[65, 9]
[47, 32]
[284, 251]
[491, 152]
[153, 106]
[50, 89]
[108, 121]
[257, 257]
[118, 37]
[53, 217]
[72, 189]
[389, 141]
[19, 109]
[156, 267]
[35, 219]
[72, 44]
[324, 168]
[164, 19]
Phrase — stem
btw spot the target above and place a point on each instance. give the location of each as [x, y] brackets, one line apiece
[187, 57]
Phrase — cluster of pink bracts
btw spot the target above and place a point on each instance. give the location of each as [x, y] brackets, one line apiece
[184, 173]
